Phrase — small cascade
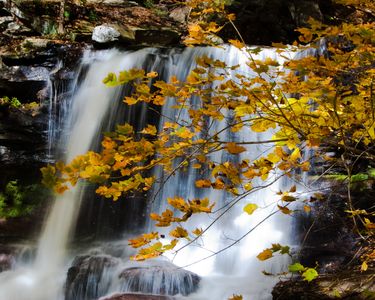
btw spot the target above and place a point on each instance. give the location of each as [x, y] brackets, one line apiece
[158, 277]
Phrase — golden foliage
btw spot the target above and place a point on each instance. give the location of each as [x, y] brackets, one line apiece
[327, 98]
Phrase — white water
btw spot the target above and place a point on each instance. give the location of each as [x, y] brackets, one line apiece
[233, 271]
[44, 279]
[236, 270]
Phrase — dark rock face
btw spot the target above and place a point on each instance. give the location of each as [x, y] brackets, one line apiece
[6, 262]
[331, 243]
[329, 236]
[22, 140]
[350, 285]
[7, 257]
[137, 297]
[86, 278]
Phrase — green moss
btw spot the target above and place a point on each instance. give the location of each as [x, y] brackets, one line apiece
[342, 177]
[17, 200]
[371, 172]
[13, 102]
[93, 17]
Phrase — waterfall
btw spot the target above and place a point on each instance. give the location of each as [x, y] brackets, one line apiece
[96, 108]
[237, 269]
[92, 102]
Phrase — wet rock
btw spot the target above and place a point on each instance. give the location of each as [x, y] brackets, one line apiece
[301, 11]
[4, 21]
[133, 296]
[23, 82]
[6, 262]
[7, 255]
[86, 278]
[158, 277]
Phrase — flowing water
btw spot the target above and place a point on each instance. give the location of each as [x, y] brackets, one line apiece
[94, 109]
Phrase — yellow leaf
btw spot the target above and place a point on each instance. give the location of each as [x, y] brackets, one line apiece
[150, 129]
[307, 208]
[184, 133]
[250, 208]
[152, 74]
[179, 232]
[288, 198]
[218, 184]
[369, 225]
[305, 166]
[231, 17]
[197, 231]
[364, 267]
[248, 186]
[285, 210]
[237, 44]
[130, 100]
[265, 254]
[203, 183]
[296, 154]
[233, 148]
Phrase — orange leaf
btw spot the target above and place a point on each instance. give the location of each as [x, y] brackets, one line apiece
[233, 148]
[265, 254]
[203, 183]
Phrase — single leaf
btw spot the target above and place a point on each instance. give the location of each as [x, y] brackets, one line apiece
[296, 154]
[237, 43]
[150, 129]
[179, 232]
[285, 210]
[152, 74]
[265, 254]
[307, 208]
[203, 183]
[250, 208]
[197, 231]
[296, 267]
[364, 267]
[288, 198]
[233, 148]
[310, 274]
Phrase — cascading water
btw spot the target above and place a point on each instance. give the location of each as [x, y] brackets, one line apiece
[236, 270]
[45, 277]
[94, 109]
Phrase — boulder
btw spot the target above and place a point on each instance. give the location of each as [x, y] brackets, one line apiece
[86, 278]
[158, 277]
[180, 14]
[105, 33]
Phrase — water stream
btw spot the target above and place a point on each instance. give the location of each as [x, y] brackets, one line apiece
[94, 109]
